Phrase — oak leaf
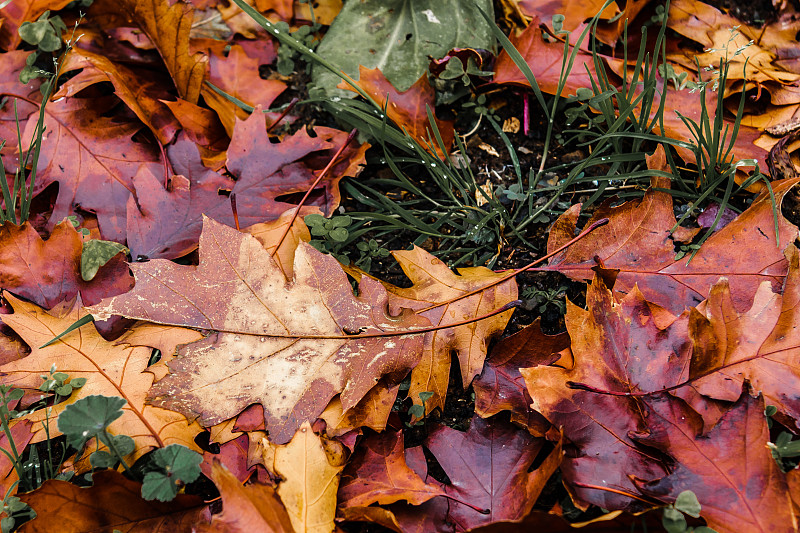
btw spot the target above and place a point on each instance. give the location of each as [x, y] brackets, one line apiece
[112, 502]
[506, 486]
[500, 387]
[109, 370]
[372, 411]
[758, 346]
[378, 473]
[168, 27]
[141, 91]
[545, 60]
[637, 242]
[739, 485]
[282, 344]
[245, 509]
[434, 283]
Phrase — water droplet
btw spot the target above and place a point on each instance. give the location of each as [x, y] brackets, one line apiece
[262, 339]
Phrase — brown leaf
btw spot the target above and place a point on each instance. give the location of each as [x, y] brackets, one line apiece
[141, 91]
[92, 157]
[168, 27]
[625, 346]
[378, 473]
[545, 60]
[262, 321]
[503, 485]
[407, 109]
[500, 387]
[21, 435]
[245, 509]
[49, 272]
[433, 283]
[27, 99]
[310, 467]
[201, 125]
[109, 370]
[372, 411]
[758, 346]
[237, 74]
[112, 502]
[636, 241]
[739, 485]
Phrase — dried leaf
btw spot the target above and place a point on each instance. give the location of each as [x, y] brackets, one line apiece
[260, 353]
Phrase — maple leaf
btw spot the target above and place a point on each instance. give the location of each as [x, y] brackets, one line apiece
[500, 386]
[310, 467]
[627, 346]
[505, 486]
[758, 346]
[434, 283]
[109, 370]
[545, 60]
[49, 272]
[637, 242]
[92, 157]
[248, 508]
[407, 109]
[168, 27]
[728, 467]
[372, 411]
[112, 502]
[378, 473]
[142, 92]
[278, 343]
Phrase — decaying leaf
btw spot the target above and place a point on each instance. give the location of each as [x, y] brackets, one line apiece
[109, 370]
[112, 502]
[282, 344]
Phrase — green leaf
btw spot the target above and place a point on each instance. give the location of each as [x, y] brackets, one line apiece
[89, 417]
[97, 253]
[673, 520]
[102, 459]
[64, 390]
[77, 383]
[687, 504]
[159, 486]
[179, 465]
[397, 36]
[339, 234]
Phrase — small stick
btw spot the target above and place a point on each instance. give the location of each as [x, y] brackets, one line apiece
[322, 174]
[235, 212]
[526, 113]
[285, 112]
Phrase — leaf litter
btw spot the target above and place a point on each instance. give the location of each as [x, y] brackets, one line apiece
[308, 382]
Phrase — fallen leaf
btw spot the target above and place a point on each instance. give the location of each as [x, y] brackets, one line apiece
[434, 283]
[372, 411]
[625, 346]
[49, 272]
[408, 109]
[378, 473]
[506, 485]
[26, 97]
[245, 509]
[728, 467]
[637, 242]
[310, 475]
[109, 370]
[500, 387]
[140, 91]
[92, 157]
[262, 322]
[112, 502]
[21, 436]
[168, 27]
[545, 60]
[758, 346]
